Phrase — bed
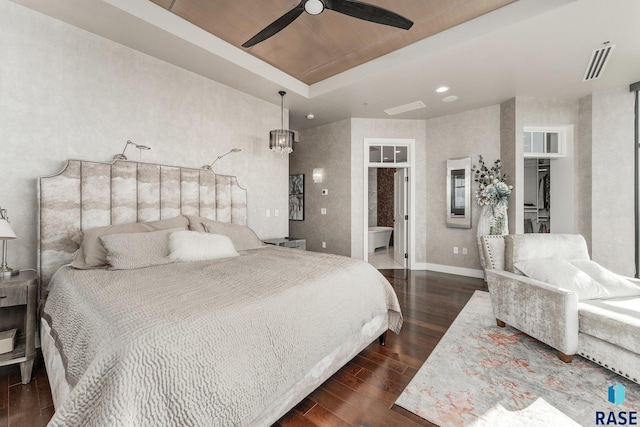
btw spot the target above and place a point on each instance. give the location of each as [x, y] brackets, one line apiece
[235, 340]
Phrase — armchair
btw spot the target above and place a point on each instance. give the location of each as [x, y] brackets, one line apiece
[574, 313]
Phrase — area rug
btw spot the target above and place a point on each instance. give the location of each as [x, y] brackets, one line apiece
[483, 375]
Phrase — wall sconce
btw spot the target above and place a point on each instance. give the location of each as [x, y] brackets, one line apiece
[318, 175]
[6, 233]
[233, 150]
[121, 156]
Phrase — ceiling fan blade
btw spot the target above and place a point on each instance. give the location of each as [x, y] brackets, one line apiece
[368, 12]
[276, 26]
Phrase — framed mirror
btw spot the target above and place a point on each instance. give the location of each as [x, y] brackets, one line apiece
[459, 193]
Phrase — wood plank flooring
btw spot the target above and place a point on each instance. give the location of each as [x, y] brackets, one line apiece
[362, 393]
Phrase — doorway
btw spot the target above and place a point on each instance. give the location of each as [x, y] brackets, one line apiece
[387, 191]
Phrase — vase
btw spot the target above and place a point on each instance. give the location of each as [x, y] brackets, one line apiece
[484, 229]
[484, 223]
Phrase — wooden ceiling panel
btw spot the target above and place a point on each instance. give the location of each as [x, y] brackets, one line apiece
[314, 48]
[164, 3]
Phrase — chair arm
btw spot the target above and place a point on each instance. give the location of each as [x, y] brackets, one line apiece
[543, 311]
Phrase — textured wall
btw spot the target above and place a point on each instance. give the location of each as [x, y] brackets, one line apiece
[66, 93]
[584, 158]
[467, 134]
[325, 147]
[385, 184]
[512, 163]
[612, 191]
[386, 128]
[373, 197]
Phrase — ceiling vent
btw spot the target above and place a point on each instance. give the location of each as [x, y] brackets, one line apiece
[405, 108]
[597, 63]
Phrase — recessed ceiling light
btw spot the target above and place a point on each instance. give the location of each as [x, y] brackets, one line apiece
[442, 89]
[310, 116]
[450, 98]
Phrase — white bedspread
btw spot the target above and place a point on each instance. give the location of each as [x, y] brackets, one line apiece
[208, 343]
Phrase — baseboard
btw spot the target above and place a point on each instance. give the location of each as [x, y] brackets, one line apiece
[460, 271]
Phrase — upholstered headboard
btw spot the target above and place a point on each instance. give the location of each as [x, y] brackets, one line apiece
[94, 194]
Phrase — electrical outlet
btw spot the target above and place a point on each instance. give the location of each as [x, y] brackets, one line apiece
[268, 213]
[464, 250]
[455, 250]
[323, 211]
[324, 245]
[275, 213]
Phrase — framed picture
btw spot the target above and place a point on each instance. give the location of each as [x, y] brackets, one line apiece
[296, 197]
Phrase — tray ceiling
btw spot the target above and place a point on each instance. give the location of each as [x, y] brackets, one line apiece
[314, 48]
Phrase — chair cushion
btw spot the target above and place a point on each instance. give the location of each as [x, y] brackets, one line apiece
[523, 247]
[615, 320]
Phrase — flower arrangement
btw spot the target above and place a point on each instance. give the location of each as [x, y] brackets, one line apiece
[493, 191]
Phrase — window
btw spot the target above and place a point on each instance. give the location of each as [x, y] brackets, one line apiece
[544, 142]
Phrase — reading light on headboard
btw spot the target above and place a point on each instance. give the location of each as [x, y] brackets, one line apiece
[233, 150]
[121, 156]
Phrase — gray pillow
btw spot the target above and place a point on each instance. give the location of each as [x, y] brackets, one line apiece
[128, 251]
[92, 253]
[242, 236]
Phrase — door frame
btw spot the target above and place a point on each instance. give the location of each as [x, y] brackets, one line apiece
[411, 194]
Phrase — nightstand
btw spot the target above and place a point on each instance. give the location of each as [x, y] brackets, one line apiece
[288, 242]
[18, 308]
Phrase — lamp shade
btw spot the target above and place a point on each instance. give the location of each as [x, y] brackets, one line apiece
[281, 140]
[6, 233]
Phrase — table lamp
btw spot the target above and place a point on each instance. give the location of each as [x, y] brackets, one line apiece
[6, 233]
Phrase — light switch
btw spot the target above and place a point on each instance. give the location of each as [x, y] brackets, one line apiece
[323, 211]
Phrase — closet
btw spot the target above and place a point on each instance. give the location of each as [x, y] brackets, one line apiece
[537, 195]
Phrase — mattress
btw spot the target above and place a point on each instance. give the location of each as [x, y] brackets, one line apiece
[236, 341]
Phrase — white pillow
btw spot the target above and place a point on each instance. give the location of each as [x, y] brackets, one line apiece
[563, 274]
[196, 246]
[617, 285]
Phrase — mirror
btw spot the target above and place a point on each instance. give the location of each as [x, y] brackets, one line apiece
[459, 193]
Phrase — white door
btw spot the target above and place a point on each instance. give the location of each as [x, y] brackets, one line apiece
[400, 218]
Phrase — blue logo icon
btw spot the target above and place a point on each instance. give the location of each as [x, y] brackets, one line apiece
[616, 394]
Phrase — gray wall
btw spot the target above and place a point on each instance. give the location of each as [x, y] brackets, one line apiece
[66, 93]
[467, 134]
[612, 173]
[325, 147]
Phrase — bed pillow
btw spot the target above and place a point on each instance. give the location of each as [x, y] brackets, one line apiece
[92, 253]
[616, 285]
[197, 246]
[242, 236]
[563, 274]
[128, 251]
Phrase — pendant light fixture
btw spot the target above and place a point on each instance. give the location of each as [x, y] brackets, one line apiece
[281, 140]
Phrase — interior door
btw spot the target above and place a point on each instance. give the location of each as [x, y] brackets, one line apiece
[400, 218]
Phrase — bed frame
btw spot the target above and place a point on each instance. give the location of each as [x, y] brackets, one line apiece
[92, 194]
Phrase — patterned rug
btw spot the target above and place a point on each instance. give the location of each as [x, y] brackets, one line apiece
[483, 375]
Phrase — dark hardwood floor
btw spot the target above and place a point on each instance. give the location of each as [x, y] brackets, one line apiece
[362, 393]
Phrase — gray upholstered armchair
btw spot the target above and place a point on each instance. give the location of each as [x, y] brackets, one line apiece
[546, 286]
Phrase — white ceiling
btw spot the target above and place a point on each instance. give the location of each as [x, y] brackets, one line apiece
[537, 48]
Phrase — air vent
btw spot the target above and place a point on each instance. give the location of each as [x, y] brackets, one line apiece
[405, 108]
[597, 63]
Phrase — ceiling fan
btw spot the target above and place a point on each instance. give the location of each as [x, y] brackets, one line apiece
[353, 8]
